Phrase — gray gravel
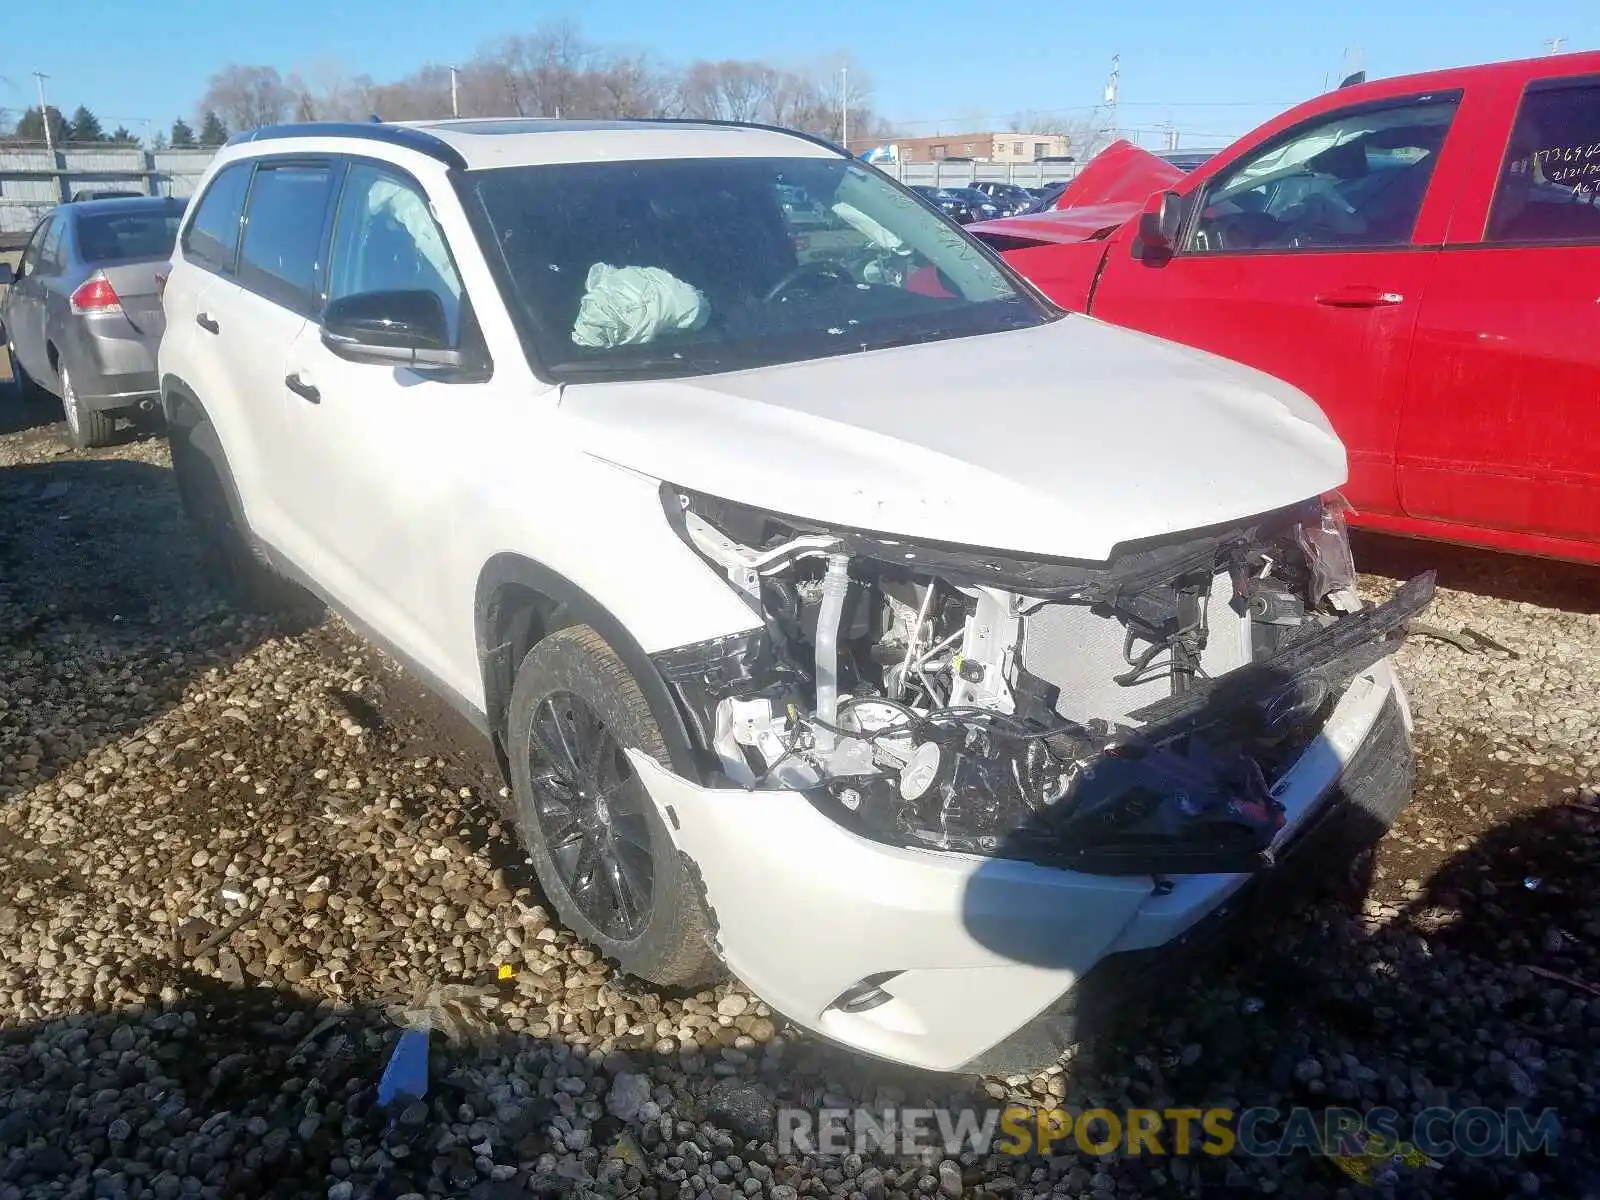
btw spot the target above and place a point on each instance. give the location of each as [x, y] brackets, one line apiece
[234, 856]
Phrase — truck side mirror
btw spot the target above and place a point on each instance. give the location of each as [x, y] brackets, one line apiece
[1159, 224]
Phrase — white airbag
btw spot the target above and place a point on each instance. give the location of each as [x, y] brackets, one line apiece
[632, 306]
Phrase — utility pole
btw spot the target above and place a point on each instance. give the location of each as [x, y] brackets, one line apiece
[44, 112]
[1111, 92]
[844, 108]
[455, 103]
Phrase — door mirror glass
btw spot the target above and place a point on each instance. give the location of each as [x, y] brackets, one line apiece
[1159, 224]
[398, 328]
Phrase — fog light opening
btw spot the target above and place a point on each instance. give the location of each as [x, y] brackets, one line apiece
[865, 994]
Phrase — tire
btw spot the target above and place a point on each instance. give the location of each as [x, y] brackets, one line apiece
[86, 427]
[234, 564]
[602, 855]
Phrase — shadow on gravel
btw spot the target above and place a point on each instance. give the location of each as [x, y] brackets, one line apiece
[104, 614]
[259, 1091]
[1546, 582]
[1481, 990]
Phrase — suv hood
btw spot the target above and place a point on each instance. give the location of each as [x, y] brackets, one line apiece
[1063, 440]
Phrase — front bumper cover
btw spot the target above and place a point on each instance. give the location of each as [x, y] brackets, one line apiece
[1357, 812]
[981, 954]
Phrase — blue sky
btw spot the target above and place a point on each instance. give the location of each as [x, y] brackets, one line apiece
[1214, 69]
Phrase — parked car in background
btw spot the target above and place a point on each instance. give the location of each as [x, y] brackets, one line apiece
[949, 202]
[1186, 160]
[1044, 197]
[82, 317]
[979, 204]
[1418, 254]
[106, 194]
[1008, 196]
[791, 663]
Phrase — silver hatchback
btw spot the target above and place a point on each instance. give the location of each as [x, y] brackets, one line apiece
[82, 317]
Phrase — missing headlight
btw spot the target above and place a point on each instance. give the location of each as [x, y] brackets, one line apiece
[966, 700]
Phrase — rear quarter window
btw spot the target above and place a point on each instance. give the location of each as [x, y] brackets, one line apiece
[212, 238]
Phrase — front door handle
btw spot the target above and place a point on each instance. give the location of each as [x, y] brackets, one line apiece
[207, 322]
[1359, 296]
[302, 389]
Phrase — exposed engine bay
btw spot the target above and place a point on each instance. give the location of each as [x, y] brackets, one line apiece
[1122, 717]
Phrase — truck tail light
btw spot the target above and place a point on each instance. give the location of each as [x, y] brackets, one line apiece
[96, 295]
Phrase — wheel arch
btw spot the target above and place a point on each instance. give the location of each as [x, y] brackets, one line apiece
[190, 425]
[180, 406]
[519, 602]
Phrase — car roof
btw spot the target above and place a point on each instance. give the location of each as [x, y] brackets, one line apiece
[122, 204]
[479, 143]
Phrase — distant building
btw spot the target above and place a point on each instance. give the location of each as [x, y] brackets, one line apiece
[979, 147]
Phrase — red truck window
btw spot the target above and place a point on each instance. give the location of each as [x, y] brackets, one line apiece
[1353, 178]
[1550, 181]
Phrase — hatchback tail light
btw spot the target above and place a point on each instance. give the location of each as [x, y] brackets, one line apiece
[96, 296]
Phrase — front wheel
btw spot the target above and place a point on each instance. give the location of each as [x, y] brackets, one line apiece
[598, 845]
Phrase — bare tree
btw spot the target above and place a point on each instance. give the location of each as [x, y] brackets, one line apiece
[1084, 131]
[248, 97]
[324, 91]
[553, 71]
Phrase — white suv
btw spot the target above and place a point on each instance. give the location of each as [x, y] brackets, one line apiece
[940, 662]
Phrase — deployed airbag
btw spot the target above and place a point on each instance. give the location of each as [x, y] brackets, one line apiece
[632, 306]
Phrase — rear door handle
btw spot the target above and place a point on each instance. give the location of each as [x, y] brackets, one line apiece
[207, 322]
[1359, 296]
[302, 389]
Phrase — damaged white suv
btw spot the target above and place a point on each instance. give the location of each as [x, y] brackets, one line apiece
[841, 612]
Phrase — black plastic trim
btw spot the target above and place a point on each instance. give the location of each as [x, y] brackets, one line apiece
[576, 607]
[419, 140]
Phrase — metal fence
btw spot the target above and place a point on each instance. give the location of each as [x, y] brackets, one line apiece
[32, 181]
[964, 174]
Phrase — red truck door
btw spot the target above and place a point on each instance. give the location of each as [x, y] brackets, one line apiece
[1502, 428]
[1305, 255]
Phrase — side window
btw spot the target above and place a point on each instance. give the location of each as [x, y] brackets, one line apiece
[385, 239]
[50, 260]
[212, 237]
[283, 233]
[30, 255]
[1351, 180]
[1549, 185]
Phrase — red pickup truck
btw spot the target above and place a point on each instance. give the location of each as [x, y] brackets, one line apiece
[1420, 254]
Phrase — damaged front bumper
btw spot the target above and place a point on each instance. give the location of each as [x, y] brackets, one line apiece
[953, 961]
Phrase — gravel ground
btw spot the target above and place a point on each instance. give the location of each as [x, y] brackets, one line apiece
[235, 854]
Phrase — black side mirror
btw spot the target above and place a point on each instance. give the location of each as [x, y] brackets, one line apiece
[399, 328]
[1159, 225]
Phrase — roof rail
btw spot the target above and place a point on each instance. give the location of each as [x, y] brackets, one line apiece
[419, 140]
[799, 133]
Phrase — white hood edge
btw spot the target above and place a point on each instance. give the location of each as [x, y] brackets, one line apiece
[1064, 440]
